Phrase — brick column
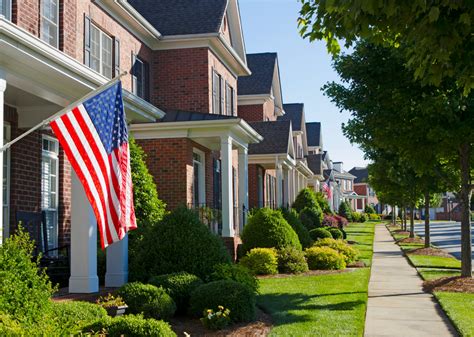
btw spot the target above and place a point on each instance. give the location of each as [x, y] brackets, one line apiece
[227, 191]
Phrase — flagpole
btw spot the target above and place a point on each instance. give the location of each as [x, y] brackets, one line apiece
[94, 92]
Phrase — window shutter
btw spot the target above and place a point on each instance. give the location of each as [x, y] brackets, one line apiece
[87, 40]
[147, 81]
[215, 88]
[233, 102]
[134, 78]
[116, 56]
[222, 96]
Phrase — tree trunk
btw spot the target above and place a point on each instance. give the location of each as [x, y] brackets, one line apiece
[427, 220]
[412, 221]
[404, 219]
[394, 217]
[466, 248]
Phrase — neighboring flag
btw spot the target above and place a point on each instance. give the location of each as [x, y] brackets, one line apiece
[327, 188]
[94, 137]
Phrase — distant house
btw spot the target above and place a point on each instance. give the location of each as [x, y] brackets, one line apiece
[362, 188]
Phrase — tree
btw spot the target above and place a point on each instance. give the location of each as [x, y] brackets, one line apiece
[436, 35]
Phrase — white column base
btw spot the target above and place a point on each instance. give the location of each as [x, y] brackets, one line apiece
[117, 264]
[83, 285]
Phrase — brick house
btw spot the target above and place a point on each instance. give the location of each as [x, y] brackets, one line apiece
[363, 188]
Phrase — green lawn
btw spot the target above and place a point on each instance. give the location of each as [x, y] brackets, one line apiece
[325, 305]
[363, 235]
[434, 273]
[425, 261]
[460, 309]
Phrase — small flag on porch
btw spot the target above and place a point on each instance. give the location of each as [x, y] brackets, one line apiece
[94, 137]
[327, 188]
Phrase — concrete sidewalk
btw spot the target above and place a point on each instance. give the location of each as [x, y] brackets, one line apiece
[397, 305]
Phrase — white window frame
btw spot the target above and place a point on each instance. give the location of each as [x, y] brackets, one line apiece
[8, 9]
[142, 80]
[101, 59]
[56, 24]
[201, 177]
[6, 176]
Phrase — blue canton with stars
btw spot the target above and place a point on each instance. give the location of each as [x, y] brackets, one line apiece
[107, 115]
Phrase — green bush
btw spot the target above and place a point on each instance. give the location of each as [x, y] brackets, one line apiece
[355, 217]
[305, 198]
[267, 228]
[323, 203]
[235, 273]
[350, 253]
[74, 316]
[345, 210]
[292, 218]
[130, 325]
[146, 299]
[363, 217]
[180, 242]
[291, 261]
[179, 286]
[236, 297]
[336, 233]
[311, 217]
[324, 258]
[319, 233]
[261, 261]
[374, 217]
[369, 209]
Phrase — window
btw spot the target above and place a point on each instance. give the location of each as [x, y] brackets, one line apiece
[49, 188]
[6, 182]
[50, 22]
[140, 76]
[6, 8]
[199, 192]
[100, 52]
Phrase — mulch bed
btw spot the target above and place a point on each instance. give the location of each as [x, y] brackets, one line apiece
[430, 252]
[308, 273]
[411, 240]
[401, 232]
[64, 295]
[184, 326]
[357, 264]
[455, 284]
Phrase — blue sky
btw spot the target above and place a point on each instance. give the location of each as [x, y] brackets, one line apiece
[270, 26]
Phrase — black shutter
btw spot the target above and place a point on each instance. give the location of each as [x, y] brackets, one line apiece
[117, 56]
[87, 40]
[147, 80]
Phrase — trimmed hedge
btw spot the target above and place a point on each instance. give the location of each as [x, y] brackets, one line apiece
[291, 261]
[311, 217]
[319, 233]
[236, 297]
[336, 233]
[350, 253]
[324, 258]
[130, 325]
[292, 218]
[235, 273]
[146, 299]
[267, 228]
[261, 261]
[74, 316]
[179, 286]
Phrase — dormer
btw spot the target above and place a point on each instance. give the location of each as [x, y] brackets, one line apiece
[314, 137]
[294, 112]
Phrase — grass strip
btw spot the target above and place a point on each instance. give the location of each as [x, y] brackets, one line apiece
[428, 261]
[460, 309]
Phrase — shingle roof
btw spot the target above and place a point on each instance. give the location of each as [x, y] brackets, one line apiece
[315, 163]
[313, 133]
[186, 116]
[262, 66]
[275, 137]
[361, 173]
[182, 17]
[293, 113]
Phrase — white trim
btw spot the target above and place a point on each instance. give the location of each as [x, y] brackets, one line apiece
[202, 176]
[253, 99]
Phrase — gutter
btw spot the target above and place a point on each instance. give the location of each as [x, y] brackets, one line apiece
[124, 5]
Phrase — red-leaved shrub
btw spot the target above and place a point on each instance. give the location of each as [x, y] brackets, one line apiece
[330, 221]
[341, 221]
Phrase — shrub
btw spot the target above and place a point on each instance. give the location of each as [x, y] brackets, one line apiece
[291, 261]
[238, 298]
[130, 325]
[341, 221]
[179, 286]
[324, 258]
[350, 253]
[146, 299]
[323, 203]
[305, 198]
[73, 316]
[355, 216]
[344, 234]
[267, 228]
[311, 217]
[292, 218]
[345, 210]
[319, 233]
[330, 221]
[180, 242]
[336, 233]
[363, 217]
[261, 261]
[216, 320]
[369, 209]
[374, 216]
[235, 273]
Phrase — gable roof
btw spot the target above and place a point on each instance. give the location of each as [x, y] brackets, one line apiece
[294, 113]
[313, 133]
[315, 163]
[361, 174]
[183, 17]
[276, 136]
[262, 66]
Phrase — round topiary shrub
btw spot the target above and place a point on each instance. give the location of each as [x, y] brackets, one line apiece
[305, 198]
[319, 233]
[235, 273]
[291, 261]
[130, 325]
[336, 233]
[350, 253]
[267, 228]
[146, 299]
[238, 298]
[261, 261]
[179, 286]
[73, 316]
[311, 217]
[292, 218]
[324, 258]
[180, 242]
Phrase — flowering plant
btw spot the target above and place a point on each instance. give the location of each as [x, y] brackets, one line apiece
[110, 301]
[216, 320]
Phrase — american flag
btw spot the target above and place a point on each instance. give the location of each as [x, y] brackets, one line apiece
[94, 137]
[327, 188]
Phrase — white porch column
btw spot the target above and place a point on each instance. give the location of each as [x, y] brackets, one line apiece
[286, 188]
[279, 185]
[3, 87]
[83, 242]
[117, 264]
[227, 192]
[294, 184]
[243, 185]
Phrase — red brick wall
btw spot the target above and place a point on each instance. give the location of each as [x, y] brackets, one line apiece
[251, 113]
[253, 185]
[67, 27]
[25, 13]
[64, 206]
